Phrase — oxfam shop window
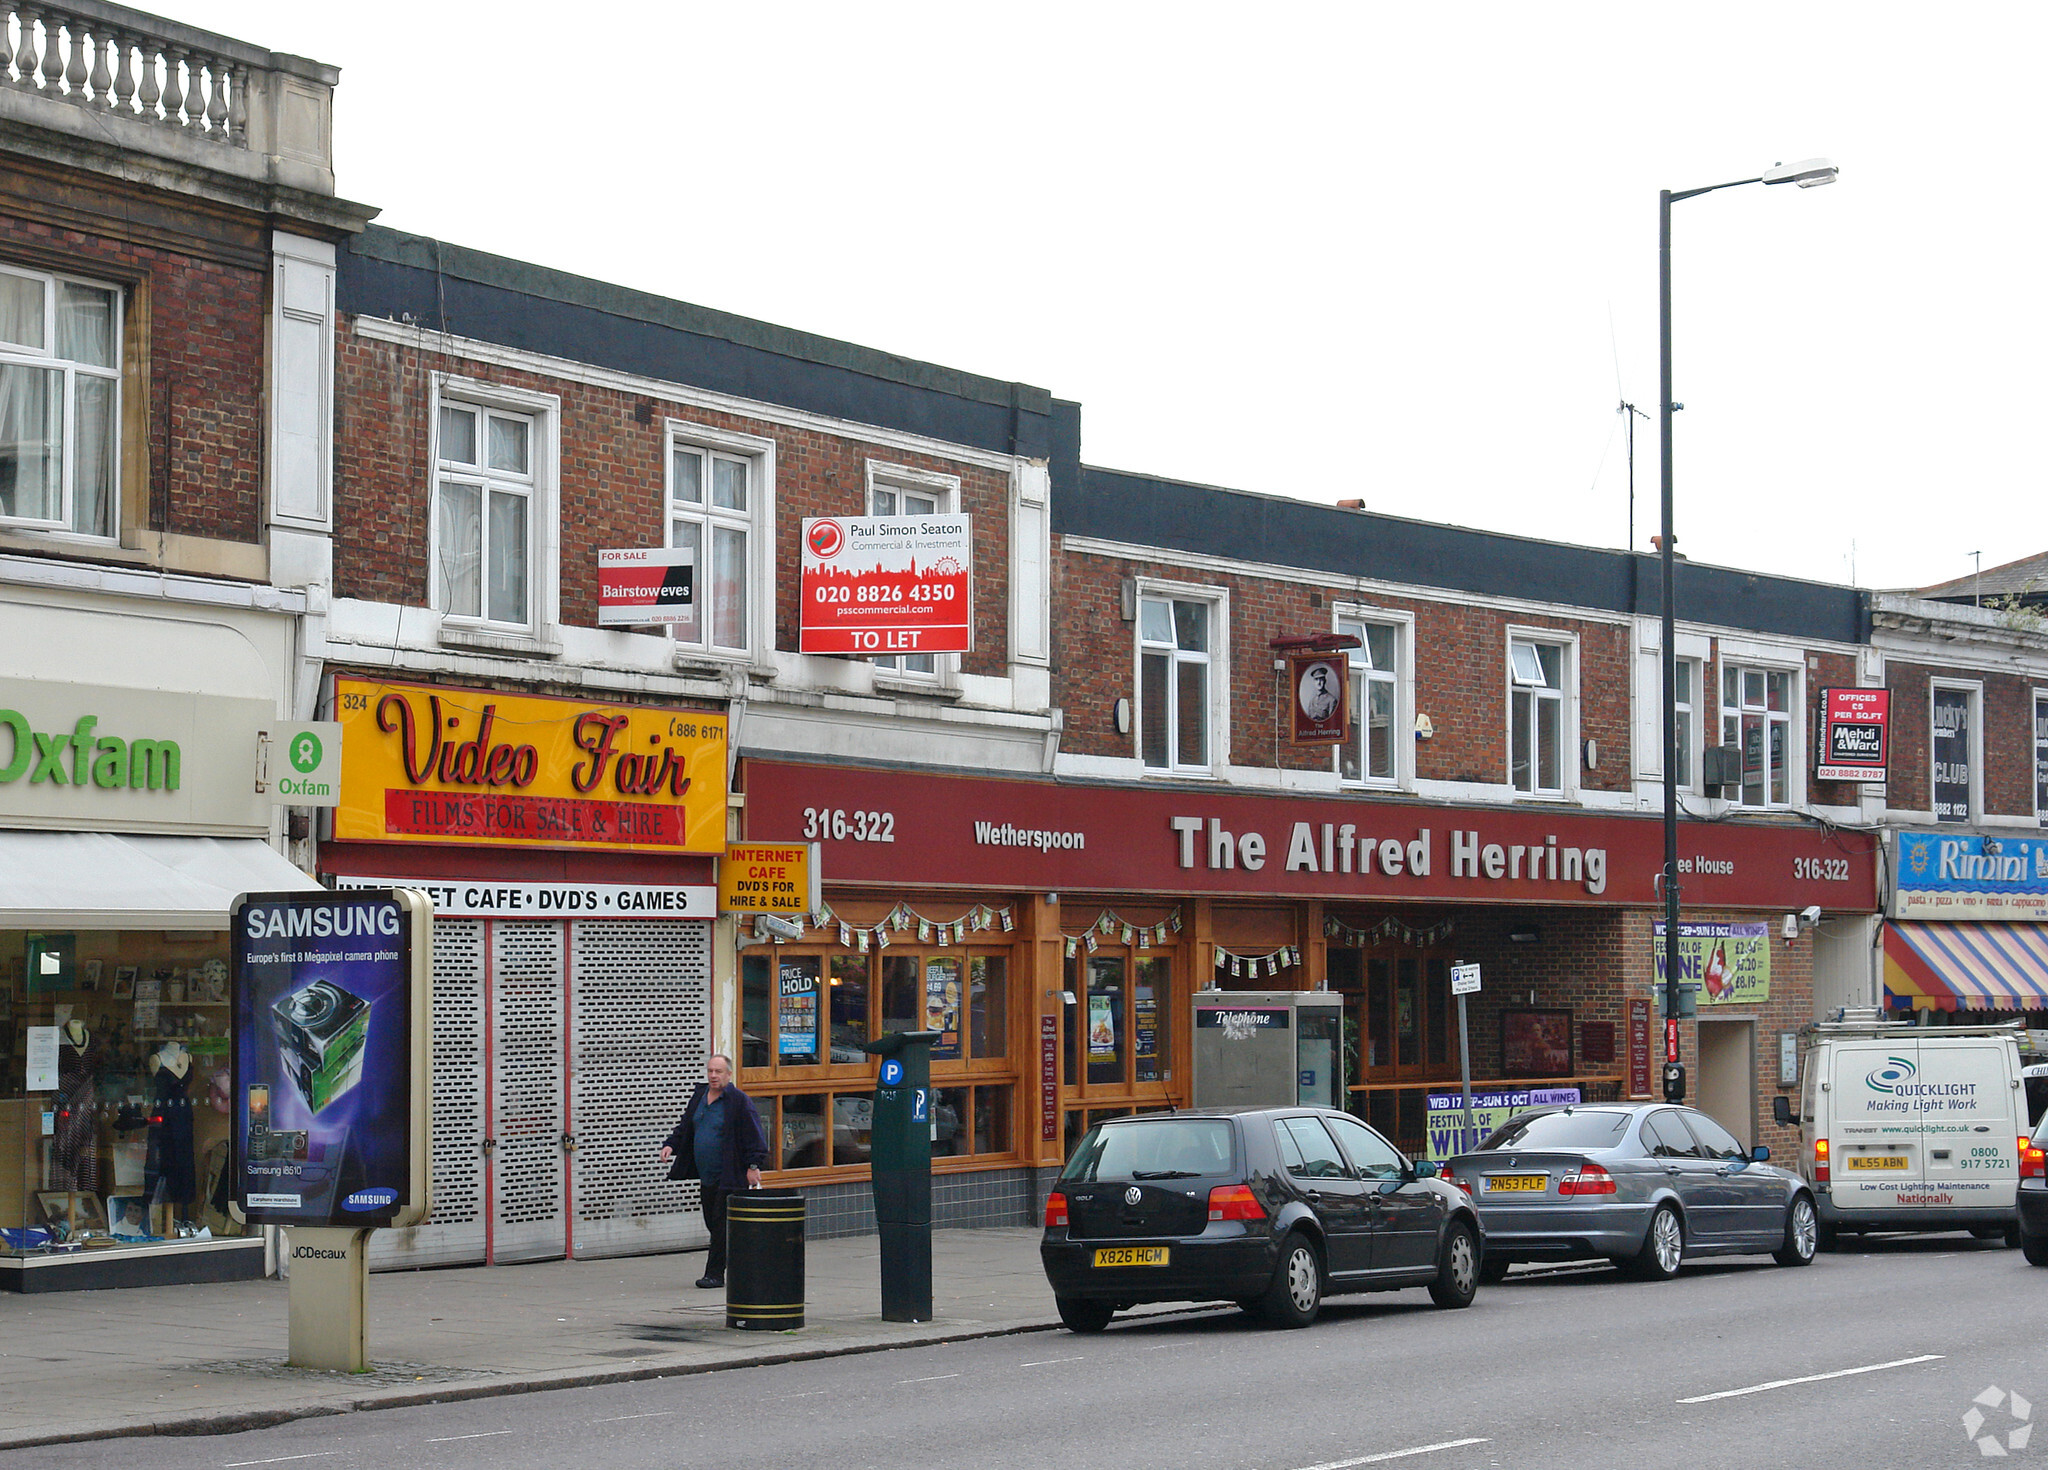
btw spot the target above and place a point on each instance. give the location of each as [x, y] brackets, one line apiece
[114, 1050]
[807, 1012]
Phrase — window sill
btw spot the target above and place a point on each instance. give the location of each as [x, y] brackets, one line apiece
[717, 665]
[486, 640]
[915, 689]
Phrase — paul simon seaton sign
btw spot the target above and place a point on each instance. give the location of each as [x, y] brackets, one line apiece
[429, 764]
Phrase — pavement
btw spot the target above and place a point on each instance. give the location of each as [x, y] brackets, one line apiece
[210, 1359]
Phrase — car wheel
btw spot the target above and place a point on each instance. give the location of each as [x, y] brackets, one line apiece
[1296, 1294]
[1802, 1234]
[2034, 1248]
[1494, 1270]
[1663, 1247]
[1457, 1268]
[1082, 1315]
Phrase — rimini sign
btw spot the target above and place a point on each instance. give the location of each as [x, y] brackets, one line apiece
[478, 767]
[98, 757]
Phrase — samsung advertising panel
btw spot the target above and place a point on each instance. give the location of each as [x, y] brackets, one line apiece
[332, 1041]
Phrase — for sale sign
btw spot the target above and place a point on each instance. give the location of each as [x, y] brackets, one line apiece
[1852, 734]
[887, 585]
[654, 584]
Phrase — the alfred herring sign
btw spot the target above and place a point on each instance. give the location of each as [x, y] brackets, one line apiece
[874, 825]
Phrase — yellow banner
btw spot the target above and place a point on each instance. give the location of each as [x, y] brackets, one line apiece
[769, 878]
[478, 767]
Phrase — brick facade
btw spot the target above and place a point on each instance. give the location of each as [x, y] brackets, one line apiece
[2006, 712]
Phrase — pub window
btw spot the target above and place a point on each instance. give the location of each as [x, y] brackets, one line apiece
[1121, 1037]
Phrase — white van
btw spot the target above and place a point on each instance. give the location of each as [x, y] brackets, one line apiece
[1907, 1127]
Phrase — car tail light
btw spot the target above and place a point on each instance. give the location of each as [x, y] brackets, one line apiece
[1464, 1184]
[1820, 1161]
[1235, 1202]
[2033, 1160]
[1590, 1179]
[1055, 1210]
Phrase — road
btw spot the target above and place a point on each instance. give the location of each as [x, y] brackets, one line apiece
[1869, 1358]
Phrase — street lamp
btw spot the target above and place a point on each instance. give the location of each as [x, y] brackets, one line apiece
[1807, 174]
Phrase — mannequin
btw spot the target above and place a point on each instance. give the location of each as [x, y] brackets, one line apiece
[75, 1142]
[168, 1176]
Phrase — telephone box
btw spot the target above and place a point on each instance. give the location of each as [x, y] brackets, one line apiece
[1269, 1048]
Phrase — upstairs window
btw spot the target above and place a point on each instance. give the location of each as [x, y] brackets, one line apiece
[1174, 636]
[1756, 714]
[60, 403]
[1685, 699]
[483, 514]
[907, 500]
[1371, 751]
[713, 496]
[1536, 722]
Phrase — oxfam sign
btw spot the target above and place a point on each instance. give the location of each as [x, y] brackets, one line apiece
[304, 762]
[86, 756]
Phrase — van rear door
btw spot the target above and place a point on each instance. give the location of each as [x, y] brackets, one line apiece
[1970, 1122]
[1874, 1137]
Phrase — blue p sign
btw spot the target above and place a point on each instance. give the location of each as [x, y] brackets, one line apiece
[892, 1072]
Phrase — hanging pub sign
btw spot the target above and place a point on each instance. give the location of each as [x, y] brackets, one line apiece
[1853, 726]
[1321, 710]
[333, 1048]
[424, 763]
[646, 585]
[880, 585]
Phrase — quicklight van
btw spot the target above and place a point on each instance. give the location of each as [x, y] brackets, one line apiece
[1910, 1127]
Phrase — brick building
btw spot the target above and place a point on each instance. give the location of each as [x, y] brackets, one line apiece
[168, 223]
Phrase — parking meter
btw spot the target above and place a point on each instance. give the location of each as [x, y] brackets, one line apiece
[901, 1154]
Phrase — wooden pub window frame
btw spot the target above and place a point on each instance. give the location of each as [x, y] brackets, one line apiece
[770, 1085]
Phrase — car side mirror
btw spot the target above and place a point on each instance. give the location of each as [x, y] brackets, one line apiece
[1423, 1169]
[1761, 1154]
[1781, 1111]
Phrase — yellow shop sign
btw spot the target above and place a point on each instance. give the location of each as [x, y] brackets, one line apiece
[475, 766]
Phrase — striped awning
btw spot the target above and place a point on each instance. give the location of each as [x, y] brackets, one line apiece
[1966, 967]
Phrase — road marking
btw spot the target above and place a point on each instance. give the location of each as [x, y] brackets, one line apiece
[1736, 1393]
[315, 1455]
[486, 1434]
[1386, 1455]
[622, 1418]
[933, 1379]
[1048, 1362]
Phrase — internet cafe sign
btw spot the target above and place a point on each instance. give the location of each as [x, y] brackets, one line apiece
[96, 757]
[477, 767]
[887, 585]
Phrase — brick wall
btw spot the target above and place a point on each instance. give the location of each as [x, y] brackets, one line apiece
[2008, 723]
[199, 324]
[612, 483]
[1460, 671]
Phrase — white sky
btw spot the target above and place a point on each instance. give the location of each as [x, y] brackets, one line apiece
[1403, 253]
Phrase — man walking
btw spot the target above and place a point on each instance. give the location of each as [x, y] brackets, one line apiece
[721, 1144]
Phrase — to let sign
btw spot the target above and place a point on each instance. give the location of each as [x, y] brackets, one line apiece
[887, 585]
[1853, 725]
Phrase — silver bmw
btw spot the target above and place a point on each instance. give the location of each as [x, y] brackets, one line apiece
[1646, 1185]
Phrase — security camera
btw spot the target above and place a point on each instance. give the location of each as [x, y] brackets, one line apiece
[1810, 915]
[766, 925]
[1790, 928]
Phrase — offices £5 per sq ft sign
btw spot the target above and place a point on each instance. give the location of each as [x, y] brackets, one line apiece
[475, 766]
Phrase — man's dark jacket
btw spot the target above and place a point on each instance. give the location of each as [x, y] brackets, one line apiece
[746, 1142]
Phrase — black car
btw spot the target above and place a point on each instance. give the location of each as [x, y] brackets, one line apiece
[1272, 1208]
[2032, 1196]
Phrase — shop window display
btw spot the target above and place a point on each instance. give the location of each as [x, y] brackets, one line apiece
[113, 1090]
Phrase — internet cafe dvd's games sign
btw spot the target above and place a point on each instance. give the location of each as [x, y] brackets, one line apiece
[1853, 724]
[332, 1051]
[887, 585]
[480, 767]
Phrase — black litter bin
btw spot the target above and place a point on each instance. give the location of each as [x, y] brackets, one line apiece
[764, 1260]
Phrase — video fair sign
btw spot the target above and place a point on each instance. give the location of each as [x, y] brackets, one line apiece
[887, 585]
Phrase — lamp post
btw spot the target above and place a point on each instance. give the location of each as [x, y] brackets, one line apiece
[1808, 174]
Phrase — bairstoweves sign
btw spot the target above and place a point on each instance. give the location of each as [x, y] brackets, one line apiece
[471, 766]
